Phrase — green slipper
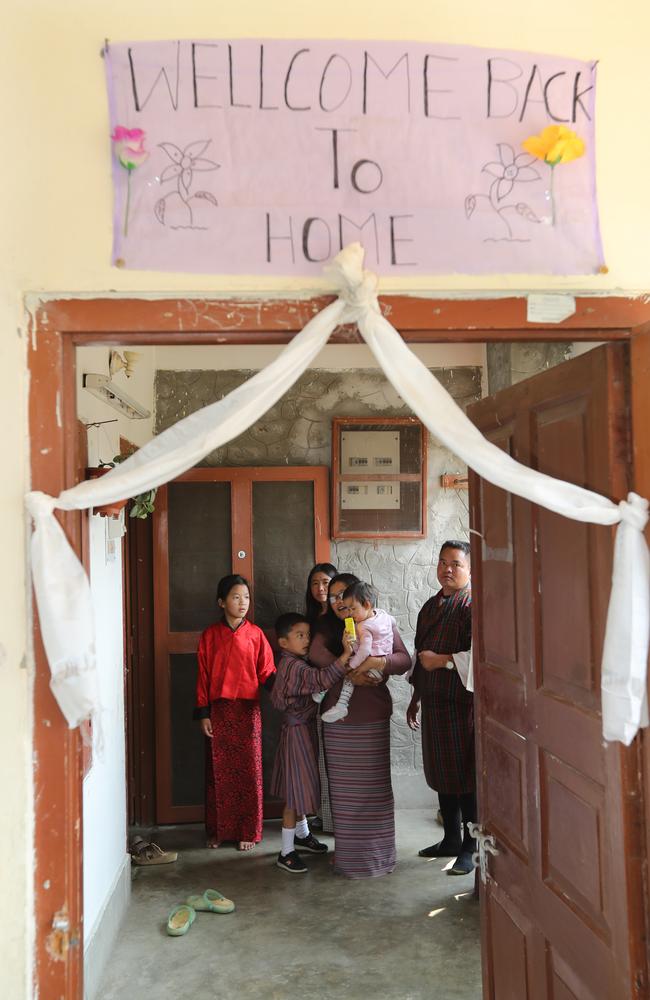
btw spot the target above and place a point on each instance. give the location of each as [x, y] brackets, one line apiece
[212, 901]
[180, 920]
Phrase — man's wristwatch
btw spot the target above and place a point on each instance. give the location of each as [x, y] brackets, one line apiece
[449, 665]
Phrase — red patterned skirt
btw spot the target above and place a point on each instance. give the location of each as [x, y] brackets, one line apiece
[234, 797]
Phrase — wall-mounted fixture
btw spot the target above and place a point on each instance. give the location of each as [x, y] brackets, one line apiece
[102, 387]
[454, 481]
[379, 477]
[126, 362]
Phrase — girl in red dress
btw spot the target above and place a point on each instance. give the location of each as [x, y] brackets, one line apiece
[234, 660]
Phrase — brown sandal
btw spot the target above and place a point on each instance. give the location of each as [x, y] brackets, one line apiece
[145, 853]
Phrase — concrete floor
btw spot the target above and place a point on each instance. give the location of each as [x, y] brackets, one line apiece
[407, 936]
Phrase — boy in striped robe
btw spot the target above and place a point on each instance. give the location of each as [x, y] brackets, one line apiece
[295, 771]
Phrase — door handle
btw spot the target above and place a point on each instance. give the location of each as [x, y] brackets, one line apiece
[486, 845]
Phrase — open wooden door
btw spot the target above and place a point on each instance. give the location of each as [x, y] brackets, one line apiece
[562, 906]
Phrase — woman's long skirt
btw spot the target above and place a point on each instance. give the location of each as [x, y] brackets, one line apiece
[361, 794]
[295, 769]
[234, 796]
[325, 809]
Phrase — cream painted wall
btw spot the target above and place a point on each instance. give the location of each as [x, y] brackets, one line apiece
[56, 234]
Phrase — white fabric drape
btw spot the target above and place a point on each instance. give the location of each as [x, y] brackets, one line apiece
[464, 665]
[62, 589]
[625, 652]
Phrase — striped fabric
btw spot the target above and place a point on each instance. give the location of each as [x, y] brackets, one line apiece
[295, 777]
[325, 811]
[361, 794]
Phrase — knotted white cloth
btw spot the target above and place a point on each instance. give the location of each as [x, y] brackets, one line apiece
[62, 589]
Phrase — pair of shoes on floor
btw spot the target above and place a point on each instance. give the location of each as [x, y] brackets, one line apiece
[182, 917]
[463, 865]
[292, 862]
[145, 852]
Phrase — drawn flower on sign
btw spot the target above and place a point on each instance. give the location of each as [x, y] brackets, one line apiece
[554, 144]
[175, 209]
[128, 146]
[510, 170]
[507, 171]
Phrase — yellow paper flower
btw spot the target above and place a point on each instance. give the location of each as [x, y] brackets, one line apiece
[555, 144]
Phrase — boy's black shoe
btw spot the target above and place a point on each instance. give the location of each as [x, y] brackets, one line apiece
[309, 843]
[292, 863]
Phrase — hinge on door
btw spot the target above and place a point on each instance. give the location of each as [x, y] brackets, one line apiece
[58, 940]
[486, 845]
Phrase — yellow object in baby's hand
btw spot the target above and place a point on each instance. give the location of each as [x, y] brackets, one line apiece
[350, 630]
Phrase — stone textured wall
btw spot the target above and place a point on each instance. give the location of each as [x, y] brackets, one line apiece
[297, 431]
[508, 364]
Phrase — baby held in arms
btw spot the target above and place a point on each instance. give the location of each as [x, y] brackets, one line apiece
[374, 637]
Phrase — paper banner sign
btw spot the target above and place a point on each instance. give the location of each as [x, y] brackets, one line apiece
[268, 156]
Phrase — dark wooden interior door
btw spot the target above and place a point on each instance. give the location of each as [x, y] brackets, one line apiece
[562, 908]
[268, 524]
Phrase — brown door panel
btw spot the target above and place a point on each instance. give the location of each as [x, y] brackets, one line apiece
[564, 809]
[514, 952]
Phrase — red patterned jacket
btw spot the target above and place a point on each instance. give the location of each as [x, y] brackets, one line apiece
[232, 664]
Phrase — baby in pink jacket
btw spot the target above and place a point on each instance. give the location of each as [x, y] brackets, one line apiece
[374, 629]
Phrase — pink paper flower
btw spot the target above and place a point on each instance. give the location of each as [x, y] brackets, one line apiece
[128, 144]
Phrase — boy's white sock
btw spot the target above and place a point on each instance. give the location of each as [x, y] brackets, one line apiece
[302, 828]
[318, 696]
[287, 841]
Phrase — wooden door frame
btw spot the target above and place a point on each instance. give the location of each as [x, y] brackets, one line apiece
[57, 326]
[168, 642]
